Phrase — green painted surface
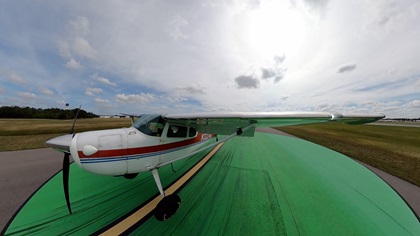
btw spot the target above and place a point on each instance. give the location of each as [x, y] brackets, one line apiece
[272, 184]
[96, 200]
[264, 185]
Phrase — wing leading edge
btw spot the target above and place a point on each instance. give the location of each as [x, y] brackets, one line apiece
[227, 123]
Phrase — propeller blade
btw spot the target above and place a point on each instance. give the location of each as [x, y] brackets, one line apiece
[75, 118]
[66, 168]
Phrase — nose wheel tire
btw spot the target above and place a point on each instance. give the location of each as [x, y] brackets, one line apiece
[167, 207]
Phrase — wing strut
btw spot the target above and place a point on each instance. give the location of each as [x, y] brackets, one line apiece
[169, 205]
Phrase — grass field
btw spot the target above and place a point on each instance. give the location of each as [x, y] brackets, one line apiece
[395, 150]
[21, 134]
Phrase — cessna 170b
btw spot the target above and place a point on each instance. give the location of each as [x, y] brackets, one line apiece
[156, 140]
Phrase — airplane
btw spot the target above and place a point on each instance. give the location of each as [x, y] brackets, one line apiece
[156, 140]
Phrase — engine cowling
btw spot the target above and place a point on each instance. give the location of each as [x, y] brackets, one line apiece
[101, 152]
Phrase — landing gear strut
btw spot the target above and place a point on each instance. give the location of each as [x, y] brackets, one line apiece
[169, 205]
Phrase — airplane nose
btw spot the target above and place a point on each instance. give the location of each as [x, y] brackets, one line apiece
[61, 143]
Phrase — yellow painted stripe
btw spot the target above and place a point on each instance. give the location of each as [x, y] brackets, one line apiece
[145, 210]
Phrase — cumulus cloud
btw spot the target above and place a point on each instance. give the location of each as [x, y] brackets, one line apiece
[73, 64]
[172, 99]
[393, 103]
[414, 104]
[105, 104]
[80, 25]
[101, 79]
[249, 82]
[254, 4]
[26, 96]
[93, 91]
[81, 47]
[319, 7]
[141, 98]
[279, 59]
[76, 43]
[316, 3]
[192, 90]
[275, 71]
[14, 78]
[347, 68]
[272, 71]
[64, 49]
[175, 28]
[385, 16]
[267, 73]
[102, 101]
[46, 91]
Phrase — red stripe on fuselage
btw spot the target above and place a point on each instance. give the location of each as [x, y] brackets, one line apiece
[142, 150]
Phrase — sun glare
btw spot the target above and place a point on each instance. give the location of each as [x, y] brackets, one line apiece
[275, 29]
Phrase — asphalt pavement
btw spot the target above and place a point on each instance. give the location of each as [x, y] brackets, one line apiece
[21, 173]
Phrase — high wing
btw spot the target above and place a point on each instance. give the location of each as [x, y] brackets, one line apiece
[230, 122]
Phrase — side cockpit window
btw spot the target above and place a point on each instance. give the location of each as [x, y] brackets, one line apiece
[150, 124]
[192, 132]
[176, 131]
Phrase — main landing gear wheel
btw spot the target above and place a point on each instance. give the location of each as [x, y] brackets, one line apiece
[131, 176]
[167, 207]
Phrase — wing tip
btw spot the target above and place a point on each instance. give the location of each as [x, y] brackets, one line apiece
[356, 119]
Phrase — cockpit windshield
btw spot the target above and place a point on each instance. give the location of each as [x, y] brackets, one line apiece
[150, 124]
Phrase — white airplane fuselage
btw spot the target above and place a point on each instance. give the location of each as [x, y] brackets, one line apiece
[127, 151]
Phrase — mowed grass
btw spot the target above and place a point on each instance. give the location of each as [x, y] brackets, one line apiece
[393, 149]
[22, 134]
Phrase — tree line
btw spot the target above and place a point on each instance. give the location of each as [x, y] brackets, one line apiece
[38, 113]
[403, 119]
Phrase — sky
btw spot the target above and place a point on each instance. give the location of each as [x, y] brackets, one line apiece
[183, 56]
